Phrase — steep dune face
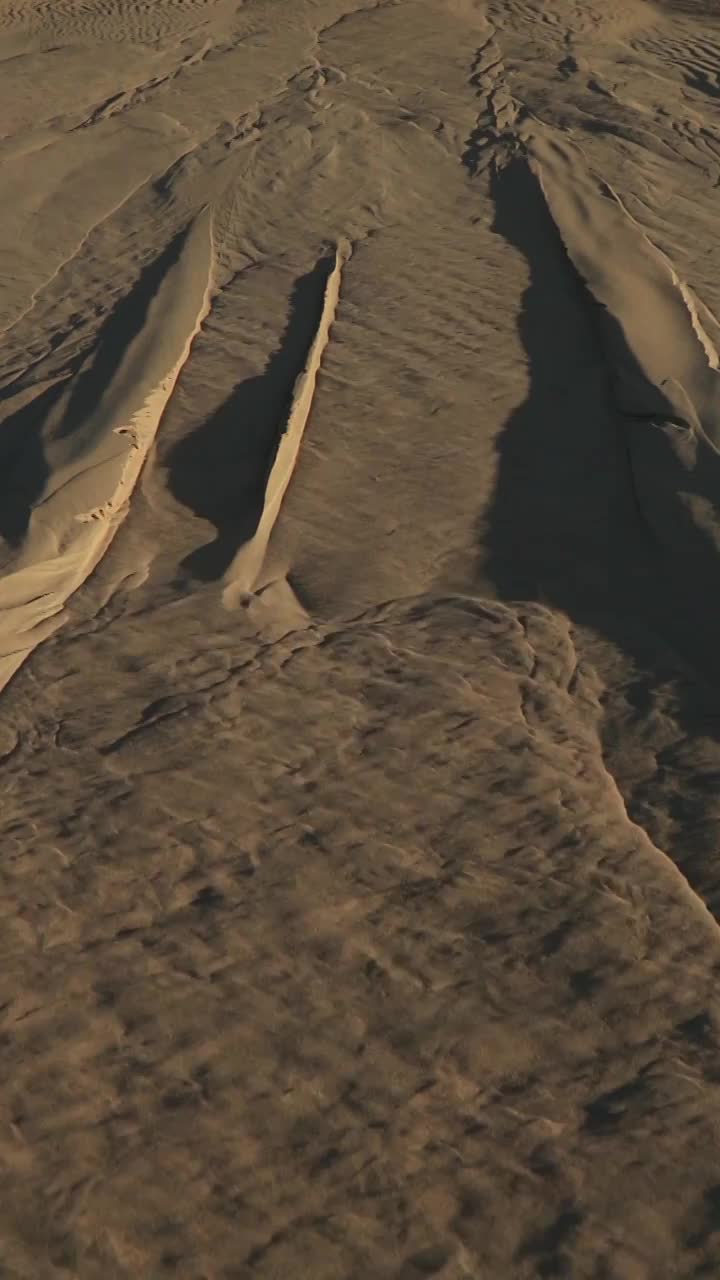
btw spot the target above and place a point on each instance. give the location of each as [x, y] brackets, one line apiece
[96, 441]
[661, 357]
[246, 568]
[359, 491]
[659, 343]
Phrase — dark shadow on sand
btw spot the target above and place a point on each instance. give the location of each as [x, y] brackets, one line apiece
[23, 466]
[123, 325]
[563, 493]
[569, 525]
[23, 469]
[220, 471]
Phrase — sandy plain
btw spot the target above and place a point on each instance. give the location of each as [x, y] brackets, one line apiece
[359, 639]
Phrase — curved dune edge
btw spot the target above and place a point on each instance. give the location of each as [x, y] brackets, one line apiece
[663, 360]
[87, 496]
[242, 576]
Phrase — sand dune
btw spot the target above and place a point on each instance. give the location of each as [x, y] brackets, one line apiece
[660, 345]
[96, 443]
[246, 568]
[359, 536]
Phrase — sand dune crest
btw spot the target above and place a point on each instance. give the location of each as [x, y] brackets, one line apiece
[242, 576]
[94, 464]
[661, 357]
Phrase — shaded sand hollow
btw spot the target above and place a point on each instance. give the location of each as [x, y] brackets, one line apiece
[359, 640]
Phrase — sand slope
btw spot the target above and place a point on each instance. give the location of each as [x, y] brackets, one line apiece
[96, 442]
[242, 576]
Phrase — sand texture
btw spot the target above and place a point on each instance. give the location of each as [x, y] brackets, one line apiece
[359, 640]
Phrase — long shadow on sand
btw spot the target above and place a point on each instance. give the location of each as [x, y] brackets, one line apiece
[220, 471]
[123, 325]
[567, 526]
[23, 469]
[563, 483]
[23, 465]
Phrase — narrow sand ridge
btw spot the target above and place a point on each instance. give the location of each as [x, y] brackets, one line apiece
[94, 463]
[660, 346]
[242, 576]
[335, 922]
[661, 356]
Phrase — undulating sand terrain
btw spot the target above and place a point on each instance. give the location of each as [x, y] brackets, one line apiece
[360, 639]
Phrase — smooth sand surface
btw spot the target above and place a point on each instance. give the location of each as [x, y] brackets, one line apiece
[359, 644]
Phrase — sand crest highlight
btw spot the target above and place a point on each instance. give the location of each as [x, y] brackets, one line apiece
[95, 464]
[242, 576]
[662, 358]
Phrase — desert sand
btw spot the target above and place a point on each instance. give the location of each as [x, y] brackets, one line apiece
[359, 639]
